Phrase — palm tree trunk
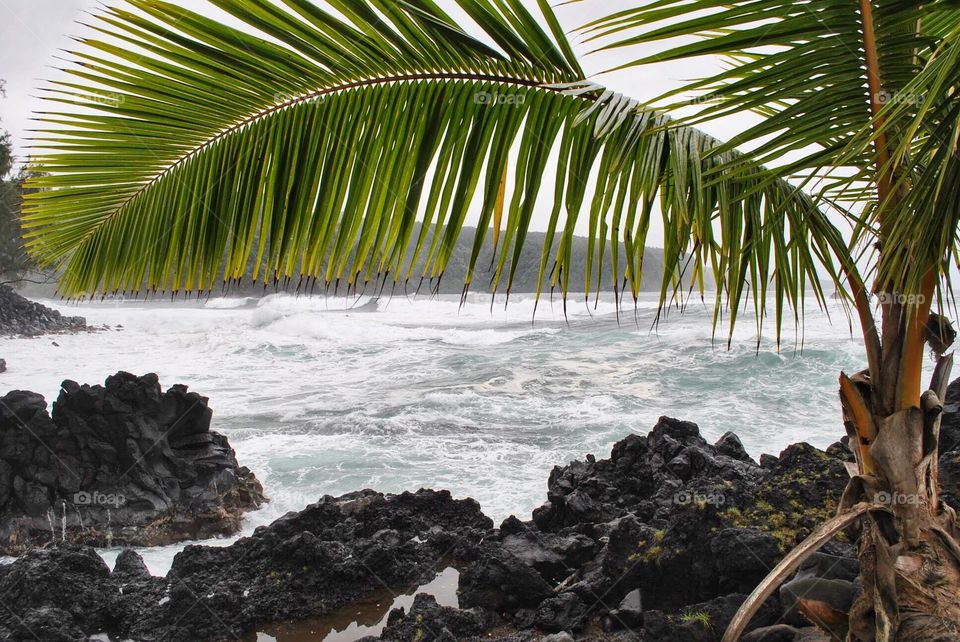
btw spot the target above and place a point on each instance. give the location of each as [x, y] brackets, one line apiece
[909, 552]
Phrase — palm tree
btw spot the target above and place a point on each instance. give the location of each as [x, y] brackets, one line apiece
[307, 143]
[859, 95]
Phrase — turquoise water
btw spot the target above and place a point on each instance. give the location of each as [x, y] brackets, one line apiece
[317, 399]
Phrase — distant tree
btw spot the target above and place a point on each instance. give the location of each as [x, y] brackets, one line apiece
[14, 262]
[6, 147]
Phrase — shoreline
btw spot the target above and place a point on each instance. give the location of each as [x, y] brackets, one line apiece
[665, 536]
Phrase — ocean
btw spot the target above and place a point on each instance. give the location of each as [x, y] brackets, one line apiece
[330, 395]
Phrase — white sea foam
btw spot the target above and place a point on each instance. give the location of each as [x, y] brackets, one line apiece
[329, 395]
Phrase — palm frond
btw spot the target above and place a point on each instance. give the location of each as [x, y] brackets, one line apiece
[926, 162]
[340, 146]
[801, 65]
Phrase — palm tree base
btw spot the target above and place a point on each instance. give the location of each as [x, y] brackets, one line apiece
[907, 596]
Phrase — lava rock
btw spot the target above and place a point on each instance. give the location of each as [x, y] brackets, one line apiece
[775, 633]
[123, 463]
[685, 521]
[501, 582]
[22, 317]
[629, 615]
[731, 446]
[65, 589]
[307, 564]
[669, 523]
[427, 621]
[705, 622]
[130, 565]
[48, 624]
[562, 613]
[743, 557]
[554, 556]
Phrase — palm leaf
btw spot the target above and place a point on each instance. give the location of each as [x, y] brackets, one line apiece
[805, 67]
[339, 147]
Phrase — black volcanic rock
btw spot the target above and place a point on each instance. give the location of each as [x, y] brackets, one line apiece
[22, 317]
[660, 542]
[44, 585]
[123, 463]
[686, 521]
[304, 565]
[308, 564]
[427, 621]
[950, 447]
[500, 581]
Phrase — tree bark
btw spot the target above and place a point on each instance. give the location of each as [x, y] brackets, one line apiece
[909, 552]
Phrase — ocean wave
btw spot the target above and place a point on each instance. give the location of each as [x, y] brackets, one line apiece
[320, 398]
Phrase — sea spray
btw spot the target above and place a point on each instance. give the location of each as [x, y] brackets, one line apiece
[51, 517]
[424, 394]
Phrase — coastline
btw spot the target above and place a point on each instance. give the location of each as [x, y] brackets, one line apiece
[666, 536]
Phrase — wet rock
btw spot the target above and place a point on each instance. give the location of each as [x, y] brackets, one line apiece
[731, 446]
[501, 582]
[743, 557]
[130, 565]
[309, 563]
[562, 613]
[767, 461]
[427, 621]
[669, 523]
[22, 317]
[65, 589]
[3, 365]
[642, 476]
[831, 567]
[775, 633]
[124, 463]
[685, 521]
[48, 624]
[629, 615]
[841, 450]
[705, 622]
[554, 556]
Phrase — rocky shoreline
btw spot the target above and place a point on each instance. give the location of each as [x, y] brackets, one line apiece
[660, 542]
[25, 318]
[114, 465]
